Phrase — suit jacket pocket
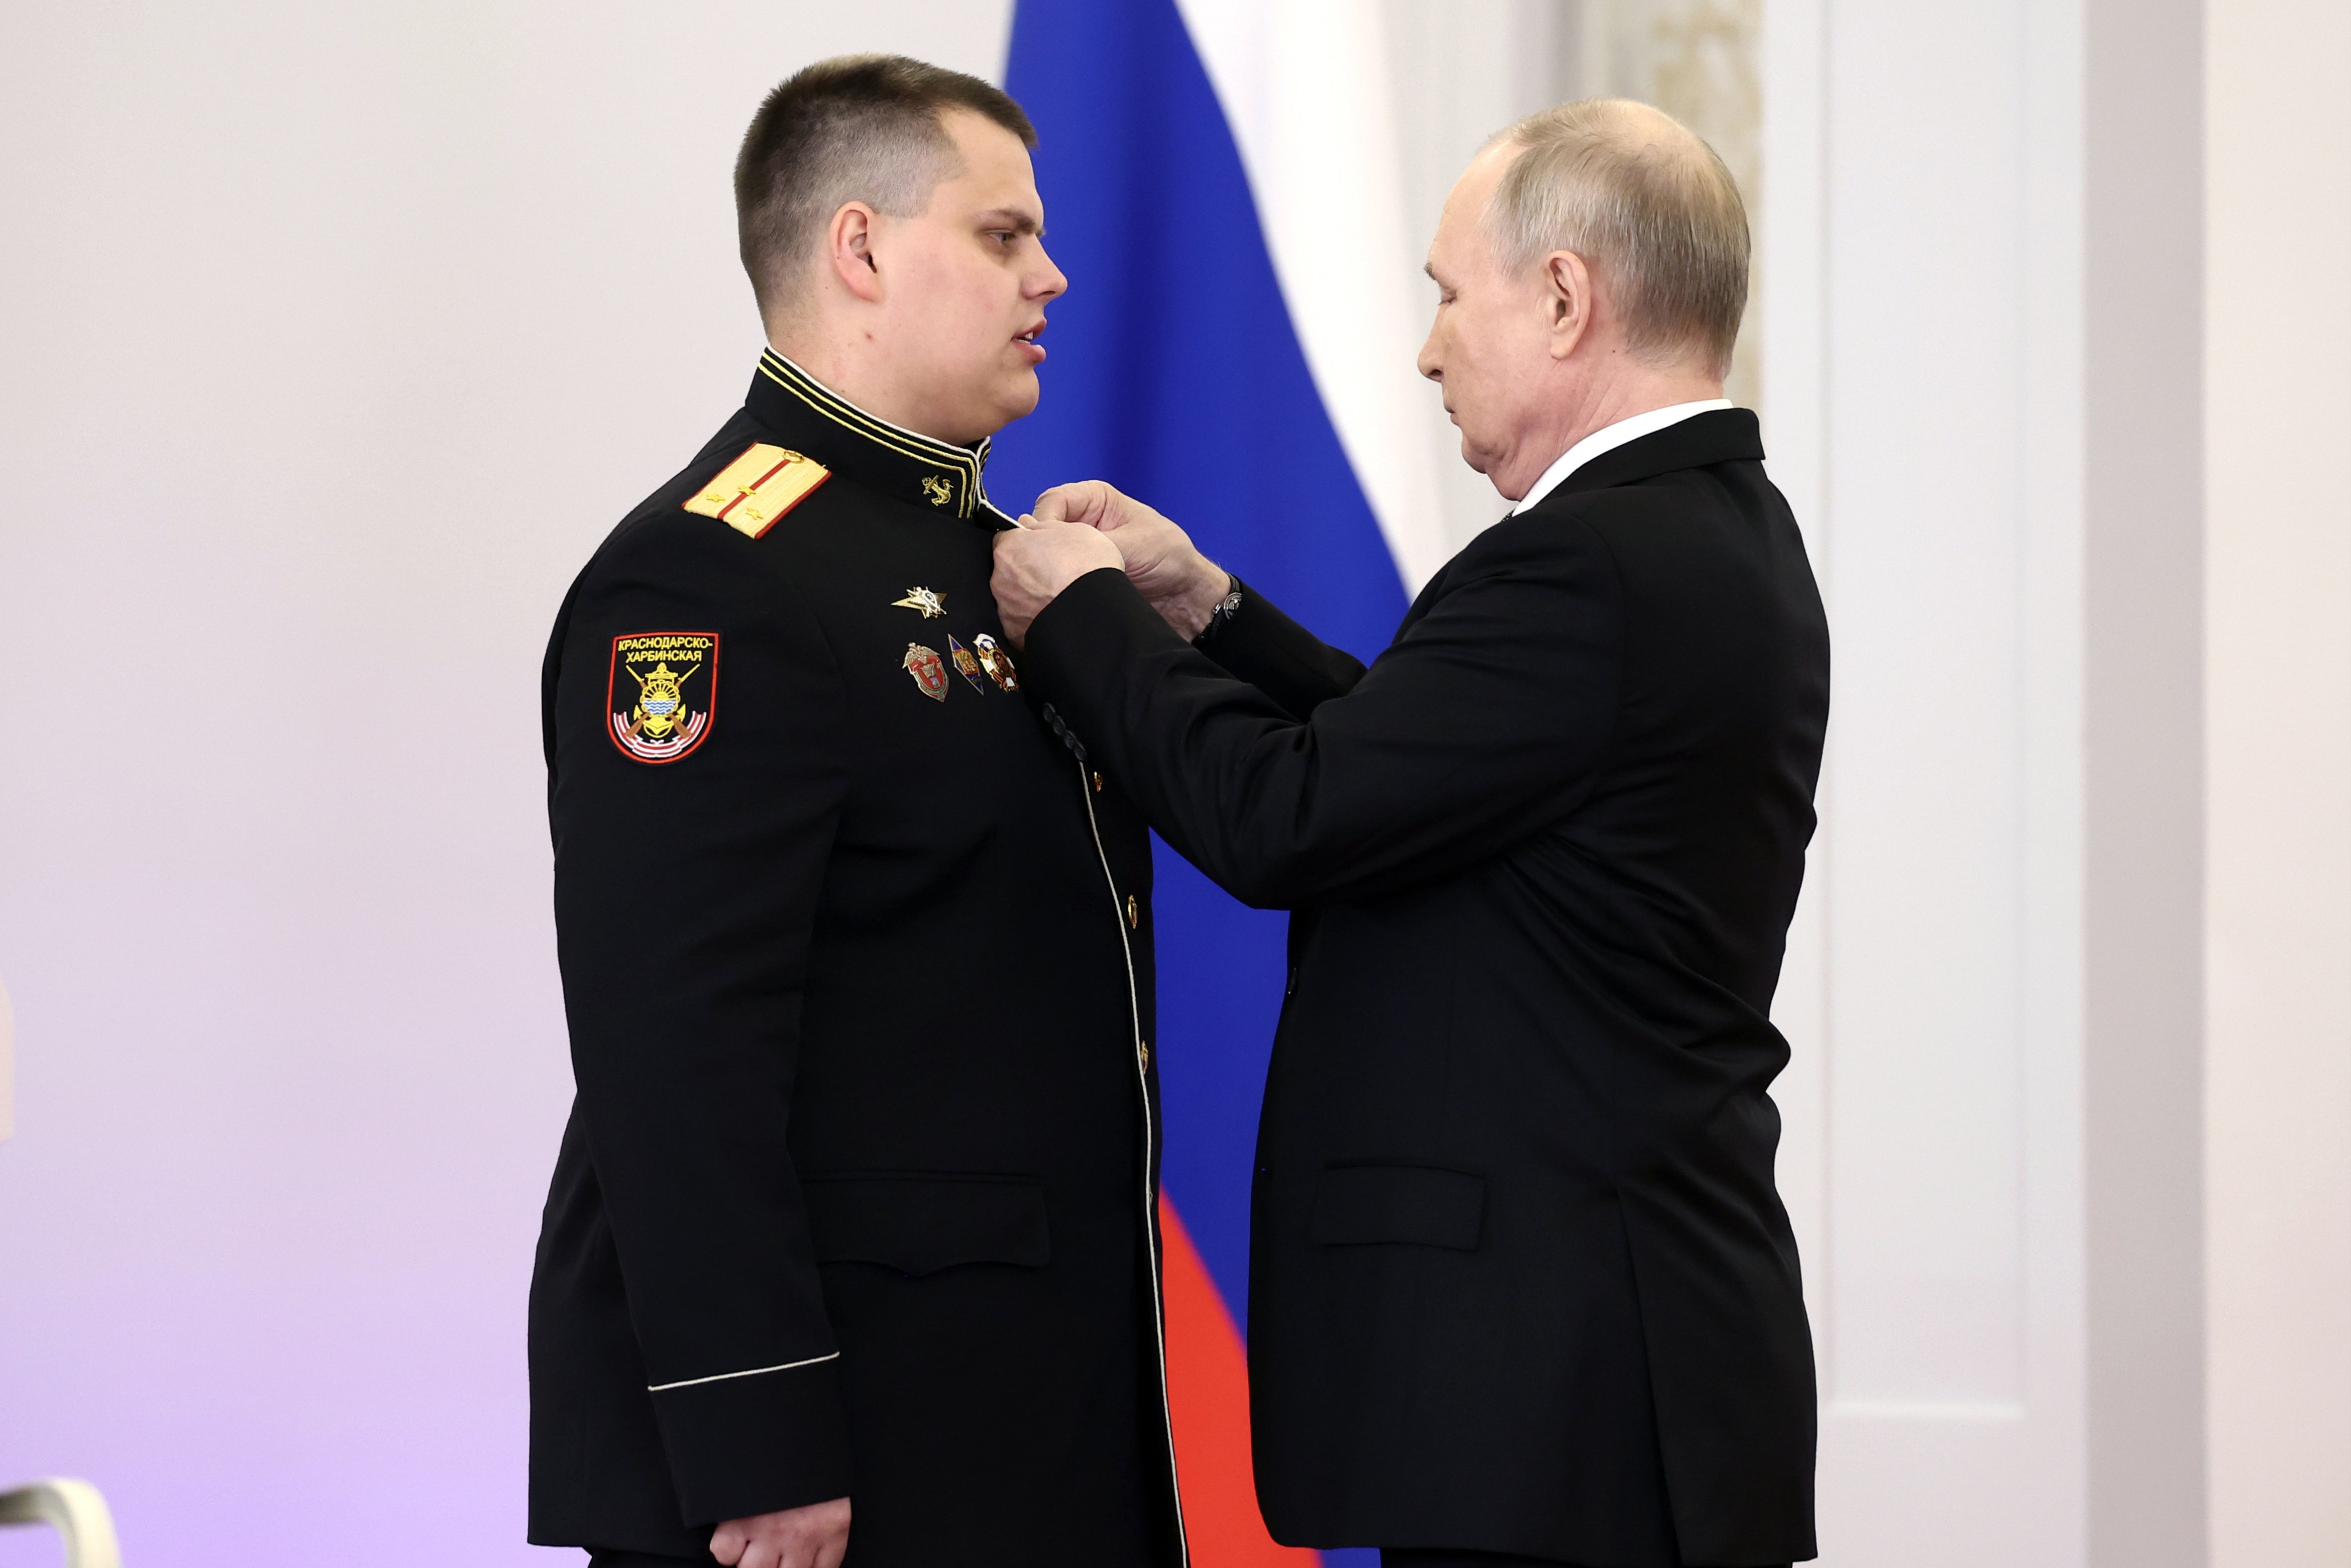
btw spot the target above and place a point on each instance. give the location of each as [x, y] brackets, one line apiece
[922, 1223]
[1425, 1205]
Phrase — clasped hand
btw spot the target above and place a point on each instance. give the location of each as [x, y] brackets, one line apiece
[815, 1536]
[1082, 528]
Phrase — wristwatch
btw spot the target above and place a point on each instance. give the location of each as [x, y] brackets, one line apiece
[1226, 608]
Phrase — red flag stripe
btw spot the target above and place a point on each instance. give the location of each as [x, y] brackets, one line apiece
[1208, 1397]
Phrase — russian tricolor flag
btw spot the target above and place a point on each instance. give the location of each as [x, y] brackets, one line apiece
[1221, 185]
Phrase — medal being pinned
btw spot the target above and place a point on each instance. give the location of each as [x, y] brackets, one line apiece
[996, 662]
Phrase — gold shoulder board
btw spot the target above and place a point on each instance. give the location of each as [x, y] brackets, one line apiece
[757, 487]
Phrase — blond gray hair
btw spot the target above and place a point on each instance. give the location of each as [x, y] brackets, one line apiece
[1649, 207]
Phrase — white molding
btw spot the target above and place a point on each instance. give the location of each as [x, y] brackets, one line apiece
[1933, 1462]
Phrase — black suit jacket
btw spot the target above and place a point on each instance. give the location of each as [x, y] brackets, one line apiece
[858, 1191]
[1518, 1264]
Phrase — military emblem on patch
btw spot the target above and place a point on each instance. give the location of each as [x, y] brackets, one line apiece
[996, 662]
[967, 667]
[937, 489]
[662, 693]
[930, 671]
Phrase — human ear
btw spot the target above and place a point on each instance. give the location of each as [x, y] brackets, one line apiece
[1567, 301]
[850, 249]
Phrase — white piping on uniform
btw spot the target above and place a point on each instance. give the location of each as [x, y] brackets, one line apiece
[723, 1377]
[1150, 1136]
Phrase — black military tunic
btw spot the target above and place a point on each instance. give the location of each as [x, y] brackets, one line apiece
[858, 1192]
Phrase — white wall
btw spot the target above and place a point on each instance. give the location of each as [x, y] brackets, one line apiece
[2056, 328]
[336, 337]
[1922, 375]
[2278, 599]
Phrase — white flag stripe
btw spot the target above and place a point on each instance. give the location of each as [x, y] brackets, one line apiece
[1305, 87]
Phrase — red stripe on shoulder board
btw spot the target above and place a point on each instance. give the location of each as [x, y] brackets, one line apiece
[1208, 1399]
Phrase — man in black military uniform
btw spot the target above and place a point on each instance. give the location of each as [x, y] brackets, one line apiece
[856, 1205]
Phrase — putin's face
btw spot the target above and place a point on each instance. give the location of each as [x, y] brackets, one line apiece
[967, 280]
[1491, 346]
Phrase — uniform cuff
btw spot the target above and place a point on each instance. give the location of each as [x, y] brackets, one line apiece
[1098, 607]
[743, 1446]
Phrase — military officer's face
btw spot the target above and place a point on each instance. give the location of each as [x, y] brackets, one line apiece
[967, 282]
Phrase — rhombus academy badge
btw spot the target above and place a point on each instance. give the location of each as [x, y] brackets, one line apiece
[662, 693]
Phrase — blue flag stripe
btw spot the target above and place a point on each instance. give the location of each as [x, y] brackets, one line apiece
[1175, 374]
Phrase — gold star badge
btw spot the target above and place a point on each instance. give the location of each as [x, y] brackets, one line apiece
[933, 605]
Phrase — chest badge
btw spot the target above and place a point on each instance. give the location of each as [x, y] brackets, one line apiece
[930, 671]
[662, 693]
[967, 667]
[937, 489]
[929, 602]
[996, 662]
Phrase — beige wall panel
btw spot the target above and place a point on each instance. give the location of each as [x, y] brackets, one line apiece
[2278, 1079]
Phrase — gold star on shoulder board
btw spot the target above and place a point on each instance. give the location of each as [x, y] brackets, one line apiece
[933, 605]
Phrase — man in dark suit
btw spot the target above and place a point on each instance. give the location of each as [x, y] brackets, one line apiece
[857, 1201]
[1521, 1283]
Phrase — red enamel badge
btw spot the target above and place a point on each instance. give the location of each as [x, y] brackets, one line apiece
[930, 671]
[662, 693]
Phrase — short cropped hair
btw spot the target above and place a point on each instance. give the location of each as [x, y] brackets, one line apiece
[856, 128]
[1646, 203]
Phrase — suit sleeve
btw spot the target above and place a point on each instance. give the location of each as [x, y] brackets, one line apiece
[1278, 656]
[685, 897]
[1486, 720]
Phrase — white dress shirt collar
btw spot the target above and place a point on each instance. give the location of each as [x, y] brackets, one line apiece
[1610, 437]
